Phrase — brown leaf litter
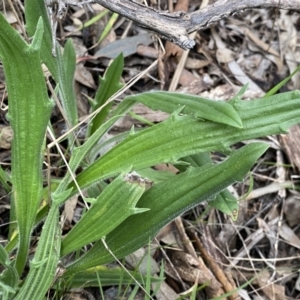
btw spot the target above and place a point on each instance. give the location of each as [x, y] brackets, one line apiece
[256, 257]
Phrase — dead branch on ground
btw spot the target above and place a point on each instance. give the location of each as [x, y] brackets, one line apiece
[176, 27]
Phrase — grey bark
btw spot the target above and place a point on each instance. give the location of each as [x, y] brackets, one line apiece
[176, 27]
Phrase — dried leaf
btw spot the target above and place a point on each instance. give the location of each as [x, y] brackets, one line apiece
[127, 46]
[6, 137]
[83, 76]
[288, 235]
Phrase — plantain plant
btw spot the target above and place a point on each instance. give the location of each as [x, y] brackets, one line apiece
[123, 215]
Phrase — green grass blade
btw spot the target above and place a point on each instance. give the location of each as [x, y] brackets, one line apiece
[28, 101]
[115, 204]
[166, 201]
[93, 20]
[181, 136]
[108, 27]
[276, 88]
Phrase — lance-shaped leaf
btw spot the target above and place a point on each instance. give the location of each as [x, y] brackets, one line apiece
[45, 261]
[225, 201]
[115, 204]
[108, 277]
[166, 201]
[109, 85]
[181, 136]
[29, 113]
[34, 10]
[62, 67]
[79, 153]
[207, 109]
[9, 276]
[216, 111]
[66, 65]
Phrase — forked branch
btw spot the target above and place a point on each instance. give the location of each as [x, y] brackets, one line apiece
[175, 27]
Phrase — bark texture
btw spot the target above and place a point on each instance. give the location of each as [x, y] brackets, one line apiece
[176, 27]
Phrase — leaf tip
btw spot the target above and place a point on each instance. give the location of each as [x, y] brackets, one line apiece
[138, 210]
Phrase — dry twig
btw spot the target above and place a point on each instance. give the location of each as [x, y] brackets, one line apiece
[176, 26]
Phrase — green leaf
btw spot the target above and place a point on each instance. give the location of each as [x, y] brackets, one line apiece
[66, 65]
[181, 136]
[166, 201]
[227, 204]
[106, 144]
[154, 175]
[4, 179]
[60, 197]
[5, 290]
[115, 204]
[4, 259]
[34, 10]
[28, 101]
[9, 276]
[43, 266]
[109, 85]
[195, 160]
[225, 201]
[240, 93]
[108, 277]
[62, 68]
[93, 20]
[277, 87]
[79, 153]
[216, 111]
[108, 27]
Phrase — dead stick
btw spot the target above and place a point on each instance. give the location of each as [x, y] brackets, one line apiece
[175, 27]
